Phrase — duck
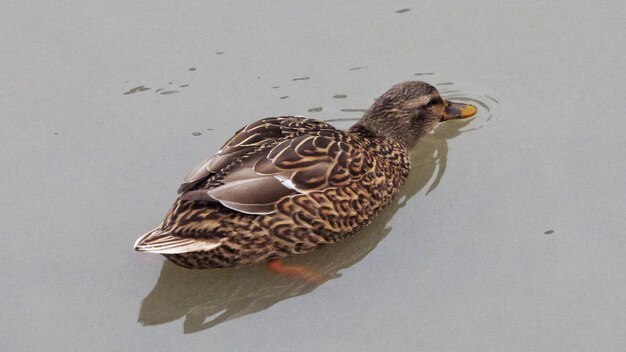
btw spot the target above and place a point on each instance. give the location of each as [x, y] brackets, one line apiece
[286, 185]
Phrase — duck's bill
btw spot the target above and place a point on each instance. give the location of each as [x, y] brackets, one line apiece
[454, 111]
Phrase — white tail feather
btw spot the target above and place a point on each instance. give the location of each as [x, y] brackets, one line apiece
[158, 241]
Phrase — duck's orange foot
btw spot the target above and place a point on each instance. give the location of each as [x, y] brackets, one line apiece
[277, 265]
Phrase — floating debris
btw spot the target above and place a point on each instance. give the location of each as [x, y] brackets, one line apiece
[358, 68]
[301, 79]
[168, 92]
[353, 110]
[219, 53]
[403, 10]
[196, 134]
[336, 120]
[158, 90]
[549, 232]
[284, 97]
[340, 96]
[274, 87]
[317, 109]
[137, 89]
[192, 69]
[184, 85]
[424, 73]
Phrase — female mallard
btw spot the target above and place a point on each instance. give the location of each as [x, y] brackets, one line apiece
[287, 185]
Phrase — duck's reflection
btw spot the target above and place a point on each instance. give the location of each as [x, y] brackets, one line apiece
[210, 297]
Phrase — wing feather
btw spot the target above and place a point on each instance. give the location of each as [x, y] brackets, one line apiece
[272, 159]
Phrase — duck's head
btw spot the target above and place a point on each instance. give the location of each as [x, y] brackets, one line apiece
[409, 110]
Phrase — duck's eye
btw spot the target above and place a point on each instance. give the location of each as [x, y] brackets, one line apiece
[434, 101]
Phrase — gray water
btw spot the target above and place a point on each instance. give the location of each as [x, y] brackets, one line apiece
[509, 235]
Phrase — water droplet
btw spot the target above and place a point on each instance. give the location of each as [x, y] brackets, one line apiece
[192, 69]
[196, 134]
[340, 96]
[549, 232]
[317, 109]
[301, 79]
[168, 92]
[284, 97]
[274, 87]
[358, 68]
[403, 10]
[219, 53]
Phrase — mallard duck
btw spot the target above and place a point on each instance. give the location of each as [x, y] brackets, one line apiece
[287, 185]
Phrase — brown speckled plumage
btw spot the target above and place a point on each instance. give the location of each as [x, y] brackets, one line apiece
[287, 185]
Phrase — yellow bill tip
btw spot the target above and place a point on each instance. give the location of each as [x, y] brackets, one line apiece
[468, 111]
[458, 111]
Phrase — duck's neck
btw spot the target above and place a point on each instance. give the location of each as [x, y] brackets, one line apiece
[389, 125]
[361, 130]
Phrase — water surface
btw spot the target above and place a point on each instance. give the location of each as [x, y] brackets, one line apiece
[508, 236]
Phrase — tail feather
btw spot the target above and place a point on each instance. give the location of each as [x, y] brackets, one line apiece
[160, 241]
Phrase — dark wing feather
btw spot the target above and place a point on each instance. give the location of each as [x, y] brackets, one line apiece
[306, 160]
[244, 141]
[201, 172]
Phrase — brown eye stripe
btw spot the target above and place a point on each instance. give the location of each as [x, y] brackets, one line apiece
[434, 101]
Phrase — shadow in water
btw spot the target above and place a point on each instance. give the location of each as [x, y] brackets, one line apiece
[209, 297]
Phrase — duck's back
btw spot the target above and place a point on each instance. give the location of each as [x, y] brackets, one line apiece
[279, 186]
